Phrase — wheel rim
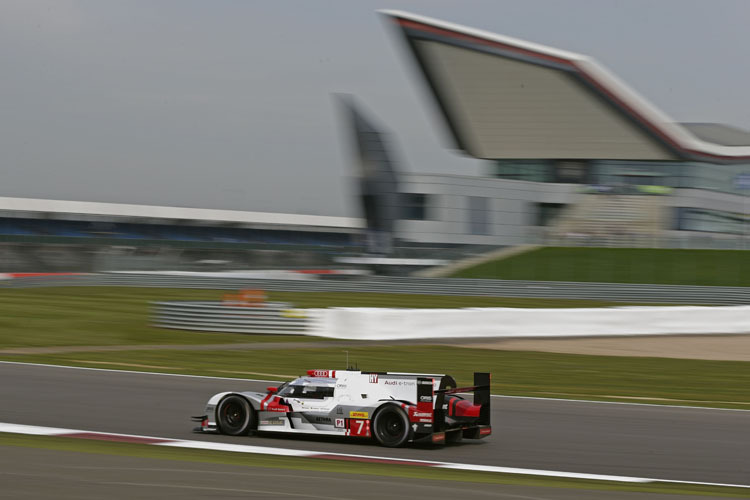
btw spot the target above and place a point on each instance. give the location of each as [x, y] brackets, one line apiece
[394, 426]
[234, 415]
[391, 427]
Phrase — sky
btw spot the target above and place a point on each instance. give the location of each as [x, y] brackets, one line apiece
[228, 103]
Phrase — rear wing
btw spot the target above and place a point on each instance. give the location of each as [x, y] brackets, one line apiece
[481, 390]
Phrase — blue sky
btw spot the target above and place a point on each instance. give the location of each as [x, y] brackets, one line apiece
[227, 104]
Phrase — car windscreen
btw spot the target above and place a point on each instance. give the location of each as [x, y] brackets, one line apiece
[306, 391]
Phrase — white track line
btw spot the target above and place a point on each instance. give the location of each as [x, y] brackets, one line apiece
[619, 403]
[136, 372]
[264, 450]
[208, 377]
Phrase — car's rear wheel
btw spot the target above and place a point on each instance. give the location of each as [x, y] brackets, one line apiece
[391, 426]
[235, 416]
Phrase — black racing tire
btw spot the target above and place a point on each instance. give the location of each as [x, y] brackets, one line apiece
[235, 416]
[391, 426]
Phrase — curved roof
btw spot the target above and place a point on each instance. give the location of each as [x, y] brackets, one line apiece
[508, 98]
[146, 212]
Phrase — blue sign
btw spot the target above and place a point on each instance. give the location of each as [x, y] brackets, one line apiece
[742, 181]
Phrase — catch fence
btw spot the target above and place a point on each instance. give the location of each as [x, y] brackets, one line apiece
[615, 292]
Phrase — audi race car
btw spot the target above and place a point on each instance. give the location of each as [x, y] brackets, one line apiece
[392, 408]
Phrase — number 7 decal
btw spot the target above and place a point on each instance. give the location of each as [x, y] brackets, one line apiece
[358, 427]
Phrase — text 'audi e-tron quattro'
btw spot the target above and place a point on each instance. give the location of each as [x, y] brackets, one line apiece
[392, 408]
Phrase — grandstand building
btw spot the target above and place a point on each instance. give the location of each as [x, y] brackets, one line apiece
[575, 155]
[39, 235]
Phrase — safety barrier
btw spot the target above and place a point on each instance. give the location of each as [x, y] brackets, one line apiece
[617, 292]
[278, 317]
[400, 324]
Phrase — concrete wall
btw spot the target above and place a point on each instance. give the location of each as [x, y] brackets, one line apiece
[511, 206]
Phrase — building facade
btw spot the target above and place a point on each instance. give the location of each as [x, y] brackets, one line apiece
[571, 150]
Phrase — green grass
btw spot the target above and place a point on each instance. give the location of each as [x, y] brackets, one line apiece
[42, 317]
[344, 467]
[119, 316]
[70, 316]
[621, 265]
[720, 384]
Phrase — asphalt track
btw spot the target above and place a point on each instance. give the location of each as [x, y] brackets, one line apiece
[39, 473]
[630, 440]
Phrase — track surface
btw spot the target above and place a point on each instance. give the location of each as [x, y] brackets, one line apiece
[32, 473]
[645, 441]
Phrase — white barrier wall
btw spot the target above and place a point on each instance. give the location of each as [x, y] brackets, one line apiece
[393, 324]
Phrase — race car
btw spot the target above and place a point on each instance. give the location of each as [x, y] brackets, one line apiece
[392, 408]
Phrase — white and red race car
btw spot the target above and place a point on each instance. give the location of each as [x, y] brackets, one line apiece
[392, 408]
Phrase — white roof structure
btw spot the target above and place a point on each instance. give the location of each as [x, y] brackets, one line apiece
[35, 207]
[508, 98]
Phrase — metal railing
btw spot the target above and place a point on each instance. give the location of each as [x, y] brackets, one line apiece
[277, 318]
[616, 292]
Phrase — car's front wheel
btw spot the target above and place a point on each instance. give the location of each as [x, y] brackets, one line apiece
[391, 426]
[235, 416]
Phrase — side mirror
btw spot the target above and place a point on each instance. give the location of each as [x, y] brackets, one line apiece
[272, 390]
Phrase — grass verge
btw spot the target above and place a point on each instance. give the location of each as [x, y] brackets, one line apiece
[65, 316]
[621, 265]
[343, 467]
[689, 382]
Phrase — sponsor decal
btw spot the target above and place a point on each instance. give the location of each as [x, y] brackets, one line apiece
[425, 399]
[359, 414]
[339, 423]
[322, 420]
[374, 378]
[341, 386]
[321, 373]
[273, 405]
[400, 383]
[425, 382]
[415, 415]
[485, 431]
[274, 421]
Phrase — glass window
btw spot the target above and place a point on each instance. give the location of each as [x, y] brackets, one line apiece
[548, 213]
[414, 206]
[713, 221]
[526, 170]
[307, 391]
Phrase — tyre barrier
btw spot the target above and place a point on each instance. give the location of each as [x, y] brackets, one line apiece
[273, 317]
